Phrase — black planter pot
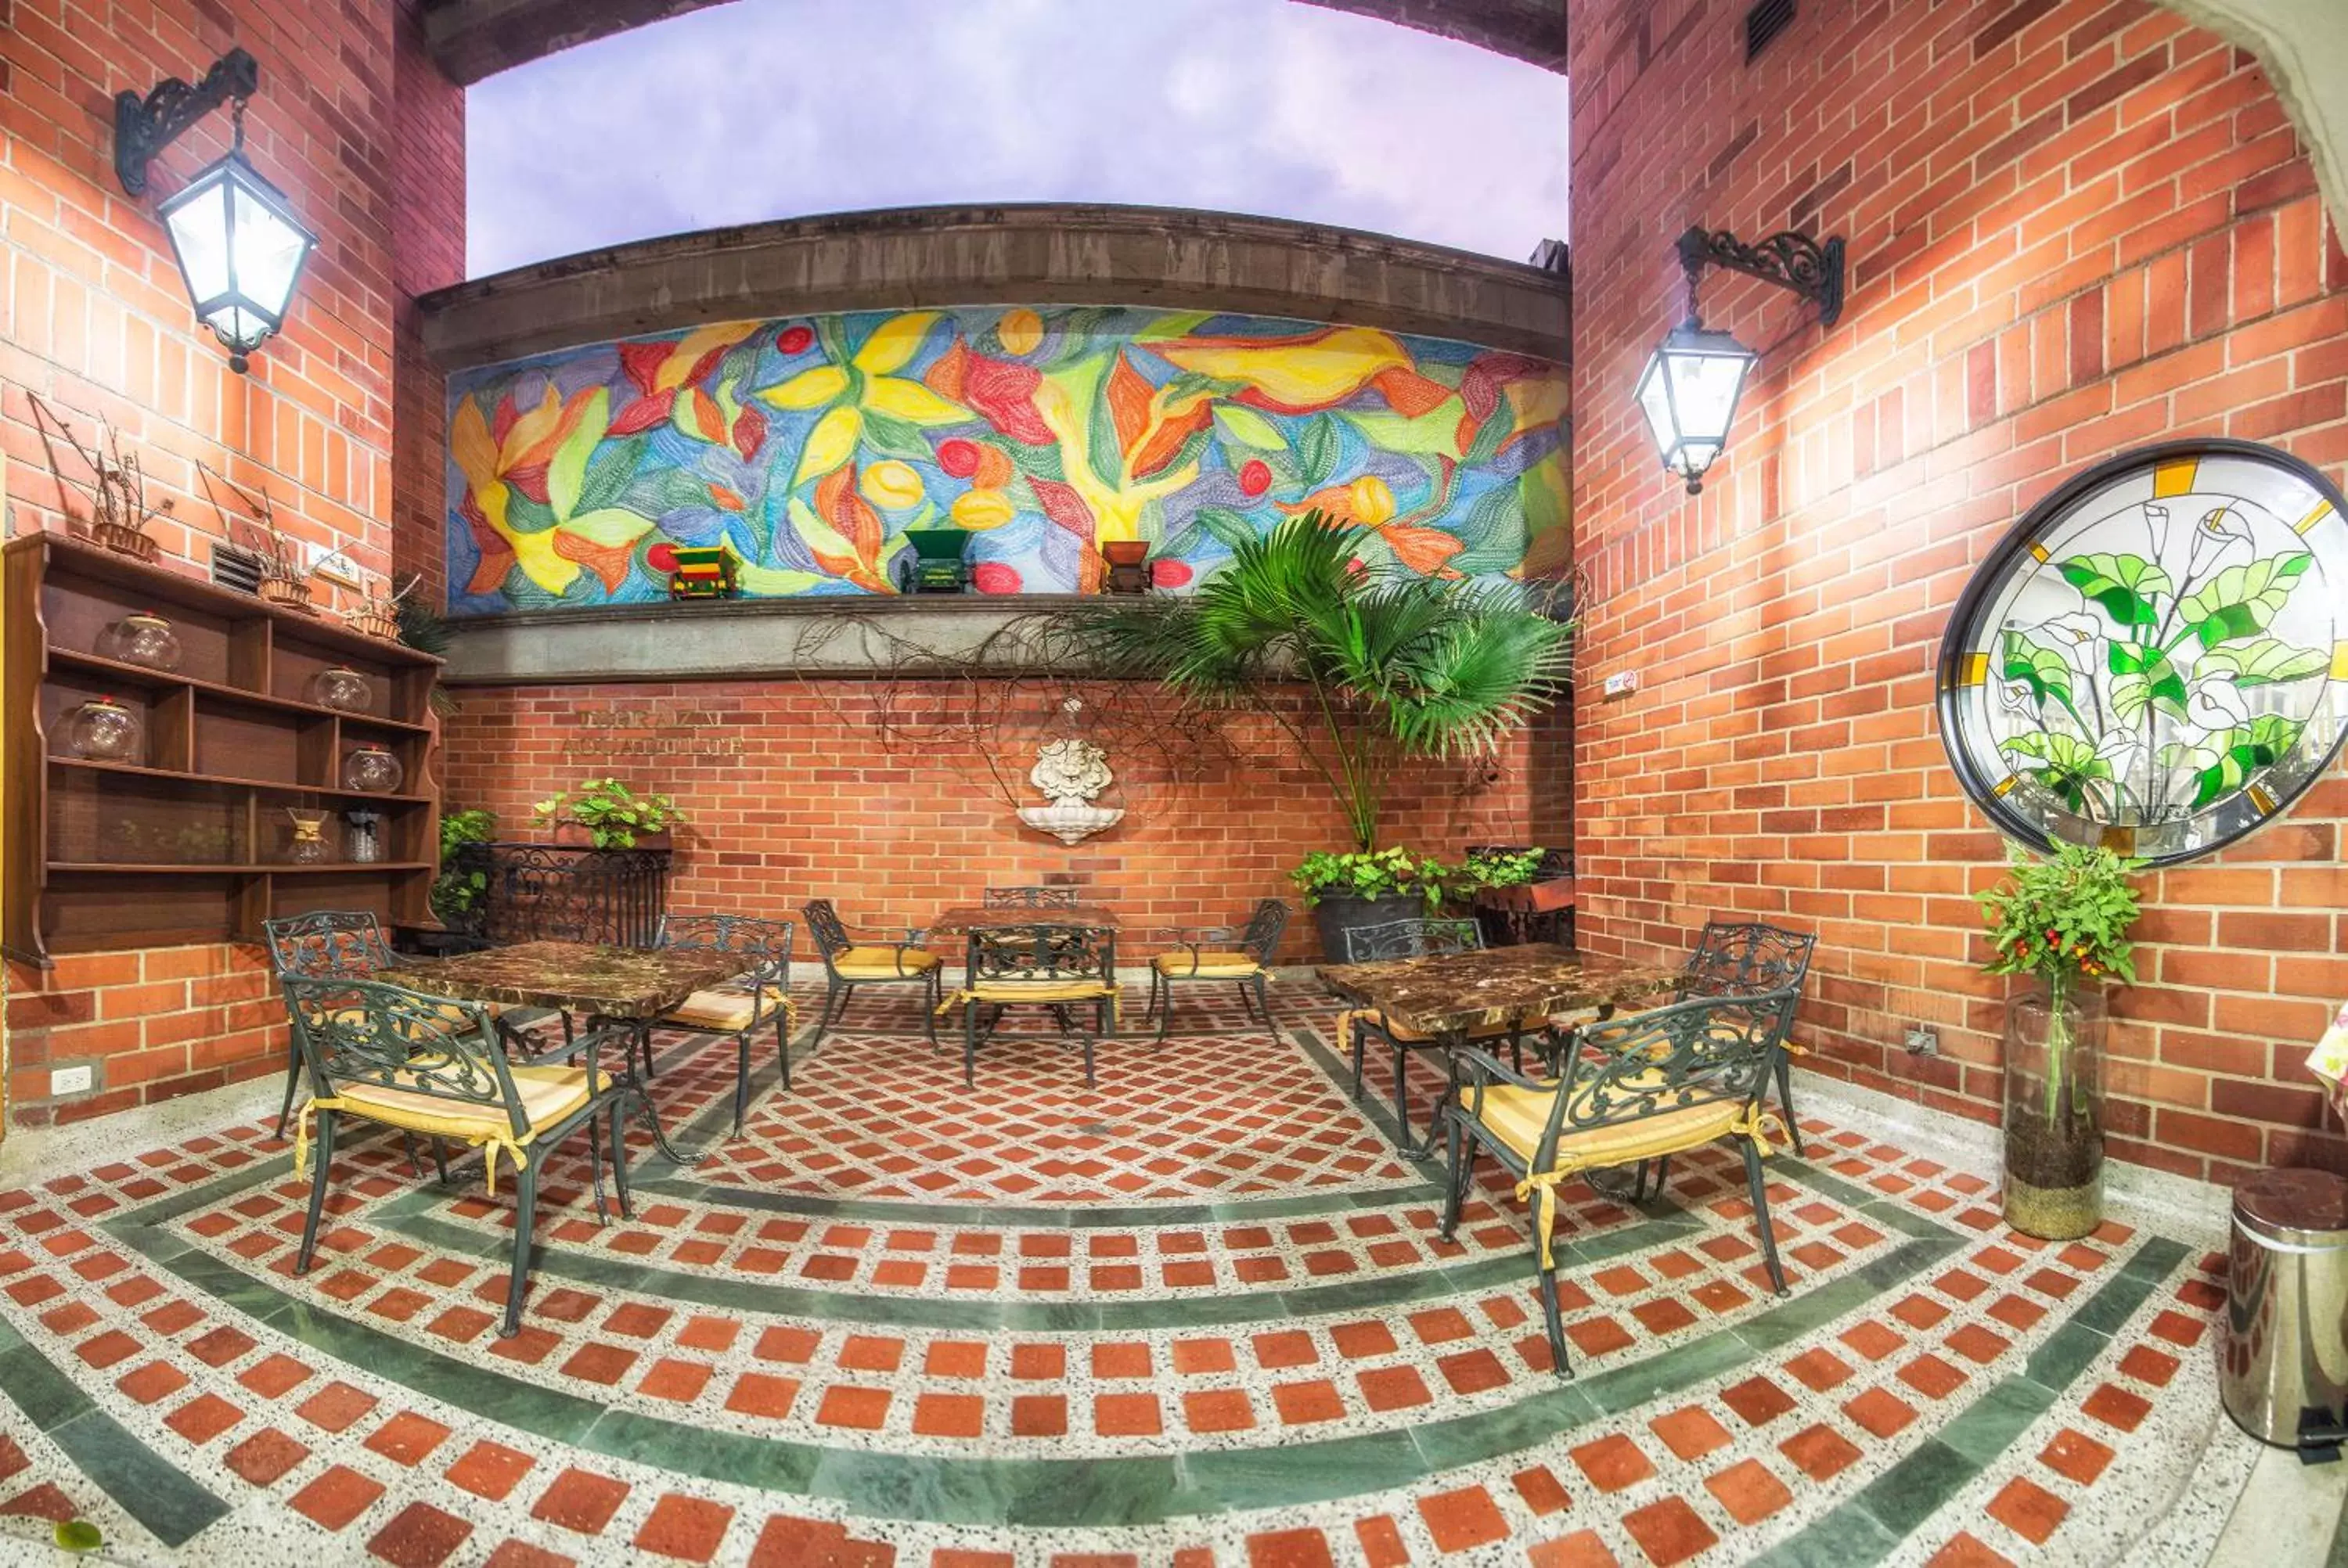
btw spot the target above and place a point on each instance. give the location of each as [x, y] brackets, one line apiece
[1338, 913]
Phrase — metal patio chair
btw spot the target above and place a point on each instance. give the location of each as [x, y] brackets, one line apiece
[1413, 939]
[760, 994]
[1028, 897]
[1064, 967]
[1223, 954]
[430, 1066]
[344, 944]
[848, 963]
[1640, 1089]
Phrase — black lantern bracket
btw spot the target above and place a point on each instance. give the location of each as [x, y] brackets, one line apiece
[144, 127]
[1790, 260]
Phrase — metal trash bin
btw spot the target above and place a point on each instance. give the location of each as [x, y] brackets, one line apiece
[2282, 1359]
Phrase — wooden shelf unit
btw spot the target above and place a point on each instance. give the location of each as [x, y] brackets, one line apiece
[191, 842]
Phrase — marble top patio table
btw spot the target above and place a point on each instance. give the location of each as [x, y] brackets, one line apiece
[966, 917]
[1445, 996]
[631, 986]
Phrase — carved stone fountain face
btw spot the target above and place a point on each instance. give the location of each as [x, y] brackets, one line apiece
[1071, 773]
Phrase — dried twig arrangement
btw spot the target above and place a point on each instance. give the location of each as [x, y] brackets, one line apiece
[116, 487]
[983, 709]
[284, 580]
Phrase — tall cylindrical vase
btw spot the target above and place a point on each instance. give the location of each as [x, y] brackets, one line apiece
[2055, 1110]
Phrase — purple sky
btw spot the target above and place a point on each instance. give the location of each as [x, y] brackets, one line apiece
[775, 108]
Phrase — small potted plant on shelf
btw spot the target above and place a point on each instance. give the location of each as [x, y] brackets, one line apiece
[118, 510]
[2064, 921]
[281, 578]
[1392, 665]
[608, 814]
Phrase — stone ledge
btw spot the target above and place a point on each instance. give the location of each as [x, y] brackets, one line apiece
[938, 257]
[744, 639]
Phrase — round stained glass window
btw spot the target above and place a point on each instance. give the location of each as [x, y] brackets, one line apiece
[2156, 658]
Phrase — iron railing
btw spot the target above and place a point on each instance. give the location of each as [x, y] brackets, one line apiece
[562, 893]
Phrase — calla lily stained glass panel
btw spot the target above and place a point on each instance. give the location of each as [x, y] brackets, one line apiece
[2156, 658]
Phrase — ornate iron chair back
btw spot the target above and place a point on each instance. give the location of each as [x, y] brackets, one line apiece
[763, 946]
[327, 942]
[1704, 1052]
[353, 1031]
[1058, 954]
[1261, 940]
[1747, 959]
[1028, 898]
[824, 924]
[1411, 939]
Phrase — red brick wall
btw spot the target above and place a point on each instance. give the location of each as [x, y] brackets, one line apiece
[93, 317]
[2075, 226]
[817, 806]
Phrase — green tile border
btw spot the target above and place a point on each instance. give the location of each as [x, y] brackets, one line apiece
[165, 1501]
[1866, 1529]
[1122, 1490]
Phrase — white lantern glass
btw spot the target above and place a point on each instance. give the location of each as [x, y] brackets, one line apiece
[1688, 393]
[241, 251]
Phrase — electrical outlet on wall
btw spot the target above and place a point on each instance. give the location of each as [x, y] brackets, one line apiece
[1922, 1039]
[70, 1079]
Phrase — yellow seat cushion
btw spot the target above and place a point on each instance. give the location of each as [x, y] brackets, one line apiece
[1209, 967]
[1039, 992]
[1516, 1116]
[1413, 1037]
[548, 1094]
[727, 1013]
[880, 964]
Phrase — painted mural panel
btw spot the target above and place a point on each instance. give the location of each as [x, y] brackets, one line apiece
[808, 447]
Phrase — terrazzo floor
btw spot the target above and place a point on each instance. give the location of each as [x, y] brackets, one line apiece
[1200, 1316]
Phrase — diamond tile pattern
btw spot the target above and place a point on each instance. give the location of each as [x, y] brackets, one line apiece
[1213, 1275]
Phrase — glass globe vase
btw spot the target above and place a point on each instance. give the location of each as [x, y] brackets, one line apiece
[372, 771]
[145, 640]
[104, 730]
[343, 688]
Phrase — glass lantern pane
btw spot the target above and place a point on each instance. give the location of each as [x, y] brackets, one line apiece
[267, 251]
[198, 229]
[1656, 403]
[1703, 390]
[1693, 458]
[237, 326]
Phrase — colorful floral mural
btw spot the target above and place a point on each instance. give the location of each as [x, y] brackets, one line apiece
[808, 447]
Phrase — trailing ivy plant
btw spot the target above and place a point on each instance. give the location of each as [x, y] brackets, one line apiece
[454, 892]
[2064, 920]
[1378, 874]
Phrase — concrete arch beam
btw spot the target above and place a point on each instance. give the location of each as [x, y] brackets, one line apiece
[475, 39]
[2303, 44]
[923, 257]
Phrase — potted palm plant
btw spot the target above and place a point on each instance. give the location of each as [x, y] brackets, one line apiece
[1393, 665]
[2064, 921]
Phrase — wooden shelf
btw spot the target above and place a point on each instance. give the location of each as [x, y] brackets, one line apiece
[274, 785]
[216, 868]
[210, 727]
[166, 681]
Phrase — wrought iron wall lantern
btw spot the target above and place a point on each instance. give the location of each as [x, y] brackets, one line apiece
[239, 245]
[1689, 390]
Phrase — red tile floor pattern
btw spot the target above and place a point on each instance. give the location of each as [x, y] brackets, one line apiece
[940, 1341]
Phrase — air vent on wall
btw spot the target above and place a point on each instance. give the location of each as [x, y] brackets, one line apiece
[1763, 22]
[235, 567]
